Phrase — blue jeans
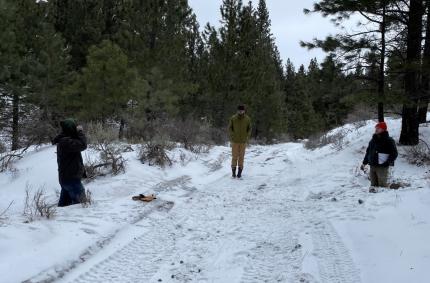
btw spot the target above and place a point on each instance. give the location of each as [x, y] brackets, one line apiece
[72, 192]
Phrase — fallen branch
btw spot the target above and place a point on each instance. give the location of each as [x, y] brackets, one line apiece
[426, 144]
[102, 165]
[4, 211]
[7, 159]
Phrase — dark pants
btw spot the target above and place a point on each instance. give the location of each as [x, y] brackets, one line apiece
[379, 176]
[72, 192]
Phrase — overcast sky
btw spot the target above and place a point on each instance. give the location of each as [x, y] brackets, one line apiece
[289, 25]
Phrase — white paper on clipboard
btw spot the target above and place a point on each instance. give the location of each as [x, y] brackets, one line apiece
[382, 158]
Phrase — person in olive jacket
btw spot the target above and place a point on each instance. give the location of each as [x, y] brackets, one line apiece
[380, 154]
[240, 131]
[70, 143]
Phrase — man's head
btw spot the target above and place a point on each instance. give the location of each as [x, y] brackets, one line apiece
[241, 109]
[68, 127]
[380, 128]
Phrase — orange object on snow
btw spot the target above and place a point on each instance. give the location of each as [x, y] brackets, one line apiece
[144, 198]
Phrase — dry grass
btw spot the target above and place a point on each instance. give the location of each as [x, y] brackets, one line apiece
[36, 205]
[87, 199]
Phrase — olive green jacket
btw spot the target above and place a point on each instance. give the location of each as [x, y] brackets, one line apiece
[239, 128]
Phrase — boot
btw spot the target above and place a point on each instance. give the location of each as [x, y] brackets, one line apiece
[233, 172]
[239, 174]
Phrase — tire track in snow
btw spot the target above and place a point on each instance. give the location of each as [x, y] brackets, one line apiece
[271, 261]
[154, 248]
[271, 227]
[134, 262]
[334, 260]
[59, 272]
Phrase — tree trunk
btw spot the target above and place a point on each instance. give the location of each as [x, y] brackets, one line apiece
[410, 124]
[121, 129]
[423, 110]
[381, 80]
[15, 121]
[424, 102]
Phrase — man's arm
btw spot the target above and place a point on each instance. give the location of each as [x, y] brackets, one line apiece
[77, 144]
[366, 157]
[249, 129]
[393, 153]
[57, 139]
[230, 129]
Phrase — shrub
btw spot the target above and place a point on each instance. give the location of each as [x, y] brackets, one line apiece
[98, 133]
[336, 140]
[188, 132]
[110, 161]
[111, 156]
[419, 154]
[193, 134]
[36, 205]
[155, 153]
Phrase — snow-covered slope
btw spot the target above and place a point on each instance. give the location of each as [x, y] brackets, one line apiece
[295, 217]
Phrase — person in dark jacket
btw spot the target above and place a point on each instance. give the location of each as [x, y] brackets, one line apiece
[380, 155]
[70, 143]
[239, 129]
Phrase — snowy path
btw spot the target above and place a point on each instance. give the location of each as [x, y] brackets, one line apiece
[295, 217]
[227, 231]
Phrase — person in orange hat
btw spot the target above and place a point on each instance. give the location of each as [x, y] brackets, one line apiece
[380, 155]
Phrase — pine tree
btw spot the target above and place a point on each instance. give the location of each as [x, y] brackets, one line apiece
[380, 18]
[10, 61]
[243, 68]
[50, 71]
[34, 64]
[106, 87]
[268, 77]
[81, 23]
[302, 118]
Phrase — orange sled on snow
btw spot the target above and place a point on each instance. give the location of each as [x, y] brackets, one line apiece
[144, 198]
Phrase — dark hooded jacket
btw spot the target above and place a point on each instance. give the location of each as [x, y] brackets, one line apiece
[70, 143]
[381, 143]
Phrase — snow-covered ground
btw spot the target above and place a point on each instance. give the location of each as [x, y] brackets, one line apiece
[295, 217]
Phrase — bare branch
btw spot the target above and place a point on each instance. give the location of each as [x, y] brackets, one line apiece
[4, 211]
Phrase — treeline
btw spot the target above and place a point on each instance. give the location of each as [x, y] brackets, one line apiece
[141, 65]
[392, 44]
